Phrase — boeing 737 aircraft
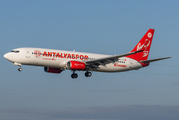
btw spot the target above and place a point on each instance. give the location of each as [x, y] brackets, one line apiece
[56, 61]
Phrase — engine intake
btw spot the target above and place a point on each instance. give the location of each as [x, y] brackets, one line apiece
[52, 70]
[76, 65]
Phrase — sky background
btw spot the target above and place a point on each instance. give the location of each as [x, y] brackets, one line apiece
[96, 26]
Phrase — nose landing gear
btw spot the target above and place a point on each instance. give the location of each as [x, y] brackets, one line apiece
[18, 64]
[20, 69]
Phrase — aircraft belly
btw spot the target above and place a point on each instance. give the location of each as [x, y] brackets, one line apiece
[112, 68]
[46, 62]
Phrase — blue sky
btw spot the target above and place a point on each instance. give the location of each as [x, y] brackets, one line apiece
[96, 26]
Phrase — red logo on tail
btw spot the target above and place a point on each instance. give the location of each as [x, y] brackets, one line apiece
[144, 44]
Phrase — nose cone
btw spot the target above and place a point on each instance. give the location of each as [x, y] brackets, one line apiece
[5, 56]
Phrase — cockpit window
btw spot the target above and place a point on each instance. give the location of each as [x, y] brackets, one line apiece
[15, 51]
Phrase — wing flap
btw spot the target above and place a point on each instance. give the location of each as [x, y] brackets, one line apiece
[107, 60]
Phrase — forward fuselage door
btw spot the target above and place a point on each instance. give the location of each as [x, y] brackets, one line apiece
[27, 53]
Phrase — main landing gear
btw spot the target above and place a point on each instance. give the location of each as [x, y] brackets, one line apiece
[74, 75]
[88, 74]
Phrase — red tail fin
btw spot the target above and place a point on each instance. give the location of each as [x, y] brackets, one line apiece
[143, 44]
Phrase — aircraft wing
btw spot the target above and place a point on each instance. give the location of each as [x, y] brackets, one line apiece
[103, 61]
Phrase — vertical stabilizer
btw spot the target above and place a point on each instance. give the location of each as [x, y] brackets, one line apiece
[143, 44]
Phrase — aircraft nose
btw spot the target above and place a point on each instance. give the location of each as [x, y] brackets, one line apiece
[6, 56]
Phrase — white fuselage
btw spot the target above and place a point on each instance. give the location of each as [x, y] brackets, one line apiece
[59, 58]
[55, 61]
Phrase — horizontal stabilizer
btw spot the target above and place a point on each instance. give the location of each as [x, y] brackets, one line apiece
[153, 60]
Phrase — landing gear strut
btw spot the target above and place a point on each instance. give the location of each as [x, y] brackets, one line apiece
[88, 74]
[74, 75]
[18, 64]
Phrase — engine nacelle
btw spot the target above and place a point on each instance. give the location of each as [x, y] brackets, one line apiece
[76, 65]
[52, 70]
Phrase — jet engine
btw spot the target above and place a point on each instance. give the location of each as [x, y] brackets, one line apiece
[75, 65]
[52, 70]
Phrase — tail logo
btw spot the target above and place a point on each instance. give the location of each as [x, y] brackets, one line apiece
[145, 45]
[145, 53]
[139, 46]
[149, 35]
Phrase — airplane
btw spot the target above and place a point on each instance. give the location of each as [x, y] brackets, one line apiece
[56, 61]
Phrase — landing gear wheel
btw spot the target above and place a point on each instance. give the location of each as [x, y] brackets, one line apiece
[88, 74]
[74, 75]
[19, 69]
